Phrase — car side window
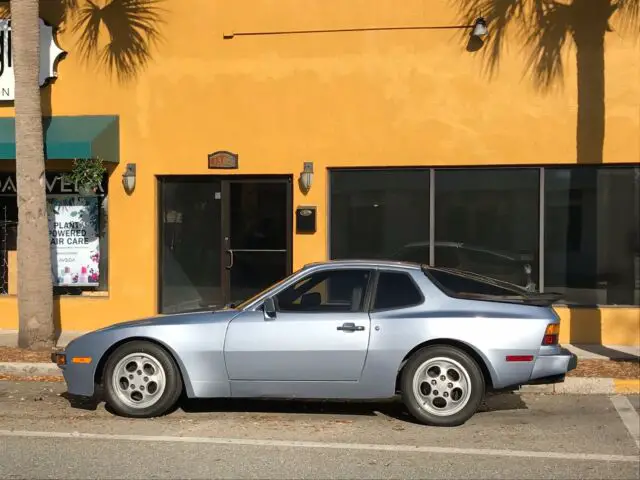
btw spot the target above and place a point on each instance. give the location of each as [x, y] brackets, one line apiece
[396, 290]
[336, 291]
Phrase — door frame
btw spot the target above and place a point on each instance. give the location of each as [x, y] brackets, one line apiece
[224, 180]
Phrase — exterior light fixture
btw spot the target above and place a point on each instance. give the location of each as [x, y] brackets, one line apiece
[480, 28]
[306, 176]
[129, 178]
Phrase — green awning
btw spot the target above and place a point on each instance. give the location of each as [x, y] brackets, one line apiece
[69, 137]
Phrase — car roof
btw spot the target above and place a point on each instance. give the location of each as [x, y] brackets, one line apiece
[366, 263]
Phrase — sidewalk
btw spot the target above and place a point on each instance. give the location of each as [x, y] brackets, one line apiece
[9, 338]
[602, 369]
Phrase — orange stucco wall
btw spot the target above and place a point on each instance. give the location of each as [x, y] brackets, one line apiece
[373, 98]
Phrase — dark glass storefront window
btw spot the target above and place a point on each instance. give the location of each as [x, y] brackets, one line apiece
[378, 213]
[486, 222]
[190, 249]
[592, 234]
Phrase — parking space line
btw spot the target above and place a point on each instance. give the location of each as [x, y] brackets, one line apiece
[628, 415]
[326, 445]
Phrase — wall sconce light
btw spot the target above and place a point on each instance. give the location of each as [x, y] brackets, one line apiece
[306, 176]
[129, 178]
[480, 28]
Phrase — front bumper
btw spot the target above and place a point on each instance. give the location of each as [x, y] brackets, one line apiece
[59, 357]
[553, 368]
[77, 376]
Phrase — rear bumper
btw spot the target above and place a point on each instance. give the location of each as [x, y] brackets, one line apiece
[553, 368]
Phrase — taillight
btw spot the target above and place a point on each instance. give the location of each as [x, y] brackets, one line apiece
[551, 334]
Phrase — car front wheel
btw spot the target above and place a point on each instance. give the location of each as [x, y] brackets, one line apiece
[141, 380]
[442, 386]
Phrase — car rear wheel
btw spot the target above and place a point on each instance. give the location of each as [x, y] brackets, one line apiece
[141, 380]
[442, 386]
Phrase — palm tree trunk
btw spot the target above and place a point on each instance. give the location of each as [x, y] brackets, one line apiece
[591, 18]
[35, 291]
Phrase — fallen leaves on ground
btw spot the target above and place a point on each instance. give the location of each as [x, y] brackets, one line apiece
[14, 354]
[34, 378]
[607, 369]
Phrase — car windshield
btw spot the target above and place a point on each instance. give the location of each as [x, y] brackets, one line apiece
[248, 301]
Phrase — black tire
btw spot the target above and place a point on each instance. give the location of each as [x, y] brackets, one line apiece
[468, 364]
[173, 381]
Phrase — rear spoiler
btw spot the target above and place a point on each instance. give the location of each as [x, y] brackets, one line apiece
[534, 299]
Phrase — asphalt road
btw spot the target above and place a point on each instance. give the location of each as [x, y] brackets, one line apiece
[514, 436]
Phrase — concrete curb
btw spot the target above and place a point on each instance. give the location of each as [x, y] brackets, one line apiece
[588, 386]
[20, 369]
[571, 385]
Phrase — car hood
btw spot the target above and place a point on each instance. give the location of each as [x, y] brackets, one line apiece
[175, 319]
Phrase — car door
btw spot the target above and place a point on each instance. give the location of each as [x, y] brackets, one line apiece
[320, 331]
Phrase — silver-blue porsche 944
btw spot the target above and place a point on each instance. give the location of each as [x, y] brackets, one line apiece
[439, 338]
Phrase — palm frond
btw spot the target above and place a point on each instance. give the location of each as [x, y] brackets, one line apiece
[626, 14]
[547, 31]
[87, 22]
[59, 12]
[132, 27]
[501, 16]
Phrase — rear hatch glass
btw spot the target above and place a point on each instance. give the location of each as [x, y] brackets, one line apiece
[461, 284]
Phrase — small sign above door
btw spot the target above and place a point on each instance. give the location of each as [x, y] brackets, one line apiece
[223, 159]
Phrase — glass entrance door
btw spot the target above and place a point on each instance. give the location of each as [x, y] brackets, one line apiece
[222, 239]
[190, 244]
[257, 235]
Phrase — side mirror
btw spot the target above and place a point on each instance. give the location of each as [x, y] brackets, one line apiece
[269, 309]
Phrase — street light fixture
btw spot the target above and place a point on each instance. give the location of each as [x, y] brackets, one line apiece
[480, 28]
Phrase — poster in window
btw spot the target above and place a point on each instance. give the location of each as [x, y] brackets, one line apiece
[74, 239]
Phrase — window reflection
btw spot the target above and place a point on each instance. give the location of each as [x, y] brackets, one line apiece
[375, 213]
[190, 249]
[592, 236]
[487, 222]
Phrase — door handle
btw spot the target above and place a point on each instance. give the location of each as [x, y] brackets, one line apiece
[230, 252]
[351, 327]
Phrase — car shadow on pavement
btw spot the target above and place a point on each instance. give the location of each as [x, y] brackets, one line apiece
[81, 403]
[502, 401]
[392, 408]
